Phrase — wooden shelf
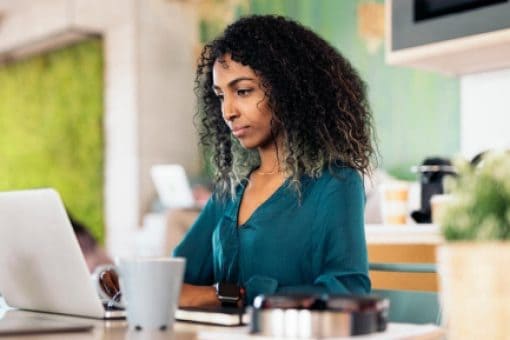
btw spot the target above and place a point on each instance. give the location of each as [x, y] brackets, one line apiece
[403, 234]
[413, 243]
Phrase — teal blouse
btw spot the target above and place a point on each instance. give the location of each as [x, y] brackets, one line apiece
[316, 245]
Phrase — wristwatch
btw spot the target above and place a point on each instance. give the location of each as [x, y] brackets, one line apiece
[228, 293]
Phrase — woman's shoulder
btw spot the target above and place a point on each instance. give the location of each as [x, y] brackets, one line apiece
[222, 201]
[339, 174]
[334, 178]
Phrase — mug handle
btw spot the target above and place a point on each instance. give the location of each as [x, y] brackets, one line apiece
[106, 281]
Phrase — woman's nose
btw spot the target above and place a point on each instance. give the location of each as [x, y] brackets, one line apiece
[229, 109]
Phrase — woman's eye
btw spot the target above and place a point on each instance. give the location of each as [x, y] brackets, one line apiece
[243, 92]
[220, 96]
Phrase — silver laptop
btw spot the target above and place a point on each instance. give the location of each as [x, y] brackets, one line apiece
[172, 186]
[41, 265]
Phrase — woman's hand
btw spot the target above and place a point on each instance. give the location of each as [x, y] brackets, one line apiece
[198, 296]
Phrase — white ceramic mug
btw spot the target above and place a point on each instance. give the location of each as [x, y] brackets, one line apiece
[438, 203]
[394, 202]
[151, 289]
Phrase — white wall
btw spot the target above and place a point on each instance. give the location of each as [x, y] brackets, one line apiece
[485, 111]
[167, 37]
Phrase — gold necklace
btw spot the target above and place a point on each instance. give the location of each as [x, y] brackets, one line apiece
[274, 170]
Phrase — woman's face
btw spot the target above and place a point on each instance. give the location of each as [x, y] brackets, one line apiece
[244, 104]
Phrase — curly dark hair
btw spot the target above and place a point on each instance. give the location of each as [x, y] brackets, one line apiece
[316, 97]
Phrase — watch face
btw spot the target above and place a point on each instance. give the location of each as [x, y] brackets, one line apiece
[228, 291]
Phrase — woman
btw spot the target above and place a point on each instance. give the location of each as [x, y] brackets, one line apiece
[288, 125]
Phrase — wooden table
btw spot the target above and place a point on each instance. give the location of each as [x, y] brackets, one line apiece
[117, 330]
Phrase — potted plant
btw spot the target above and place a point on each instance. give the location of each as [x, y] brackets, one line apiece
[474, 261]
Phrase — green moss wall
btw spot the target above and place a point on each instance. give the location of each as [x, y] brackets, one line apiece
[416, 113]
[51, 131]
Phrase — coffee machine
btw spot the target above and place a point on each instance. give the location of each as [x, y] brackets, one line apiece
[432, 172]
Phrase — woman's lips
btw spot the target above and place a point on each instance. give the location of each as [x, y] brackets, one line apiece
[240, 132]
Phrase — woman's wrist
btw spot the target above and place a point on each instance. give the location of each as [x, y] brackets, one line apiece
[196, 296]
[229, 294]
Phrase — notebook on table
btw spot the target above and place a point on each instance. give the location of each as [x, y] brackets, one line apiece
[42, 267]
[221, 316]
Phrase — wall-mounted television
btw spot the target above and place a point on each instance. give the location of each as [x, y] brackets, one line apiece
[428, 9]
[421, 22]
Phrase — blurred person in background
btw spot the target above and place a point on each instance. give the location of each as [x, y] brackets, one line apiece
[178, 221]
[94, 254]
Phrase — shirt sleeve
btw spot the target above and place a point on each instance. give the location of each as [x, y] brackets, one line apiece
[341, 244]
[196, 246]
